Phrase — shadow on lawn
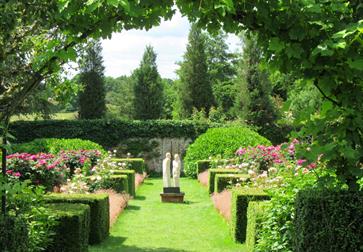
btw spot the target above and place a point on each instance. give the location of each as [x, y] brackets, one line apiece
[132, 207]
[115, 244]
[139, 197]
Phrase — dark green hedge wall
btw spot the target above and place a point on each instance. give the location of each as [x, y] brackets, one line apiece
[108, 133]
[223, 181]
[328, 221]
[240, 199]
[13, 234]
[212, 176]
[136, 164]
[255, 216]
[72, 230]
[100, 212]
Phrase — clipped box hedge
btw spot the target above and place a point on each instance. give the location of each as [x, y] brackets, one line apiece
[240, 199]
[108, 133]
[100, 212]
[212, 174]
[136, 164]
[203, 165]
[255, 216]
[328, 221]
[119, 183]
[73, 227]
[131, 180]
[222, 181]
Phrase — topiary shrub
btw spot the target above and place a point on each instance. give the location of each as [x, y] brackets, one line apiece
[221, 142]
[328, 221]
[13, 234]
[56, 145]
[240, 199]
[119, 183]
[72, 231]
[100, 212]
[131, 180]
[212, 175]
[223, 181]
[255, 217]
[136, 164]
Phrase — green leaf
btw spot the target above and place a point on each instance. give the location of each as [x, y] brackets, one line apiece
[356, 64]
[276, 45]
[114, 2]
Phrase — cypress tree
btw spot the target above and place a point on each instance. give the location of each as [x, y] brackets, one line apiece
[92, 98]
[254, 103]
[195, 89]
[148, 88]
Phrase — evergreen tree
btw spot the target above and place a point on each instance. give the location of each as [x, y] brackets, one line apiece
[148, 88]
[195, 89]
[92, 98]
[254, 103]
[222, 69]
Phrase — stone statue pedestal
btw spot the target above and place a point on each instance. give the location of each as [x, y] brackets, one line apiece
[172, 194]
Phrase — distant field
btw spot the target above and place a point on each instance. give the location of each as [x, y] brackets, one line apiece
[57, 116]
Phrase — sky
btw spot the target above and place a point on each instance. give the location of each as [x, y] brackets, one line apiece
[123, 52]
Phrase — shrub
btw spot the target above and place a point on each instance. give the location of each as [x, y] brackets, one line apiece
[72, 230]
[328, 221]
[100, 212]
[108, 133]
[136, 164]
[119, 183]
[131, 180]
[221, 142]
[212, 174]
[203, 165]
[55, 145]
[13, 234]
[240, 199]
[255, 216]
[223, 181]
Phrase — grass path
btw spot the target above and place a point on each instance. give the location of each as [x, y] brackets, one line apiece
[148, 225]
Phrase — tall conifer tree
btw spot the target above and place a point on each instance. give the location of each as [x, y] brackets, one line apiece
[92, 98]
[195, 89]
[254, 102]
[148, 88]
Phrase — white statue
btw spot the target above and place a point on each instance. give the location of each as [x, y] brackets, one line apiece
[166, 170]
[176, 170]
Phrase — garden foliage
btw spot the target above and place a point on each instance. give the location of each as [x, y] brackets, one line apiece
[222, 142]
[136, 164]
[255, 216]
[13, 234]
[226, 181]
[99, 215]
[131, 180]
[212, 176]
[108, 133]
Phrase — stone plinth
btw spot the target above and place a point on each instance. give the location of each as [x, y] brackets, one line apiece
[172, 197]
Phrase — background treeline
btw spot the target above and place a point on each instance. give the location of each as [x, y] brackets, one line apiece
[213, 84]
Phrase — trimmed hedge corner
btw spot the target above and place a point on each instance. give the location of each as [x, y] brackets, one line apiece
[328, 221]
[136, 164]
[13, 234]
[131, 180]
[100, 212]
[119, 183]
[222, 181]
[203, 165]
[255, 216]
[221, 142]
[212, 174]
[240, 199]
[72, 230]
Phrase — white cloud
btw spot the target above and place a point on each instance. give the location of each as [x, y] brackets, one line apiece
[123, 52]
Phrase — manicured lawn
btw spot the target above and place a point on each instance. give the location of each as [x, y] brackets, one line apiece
[149, 225]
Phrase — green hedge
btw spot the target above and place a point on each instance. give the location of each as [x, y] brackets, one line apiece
[212, 175]
[328, 221]
[131, 180]
[72, 230]
[223, 181]
[55, 145]
[136, 164]
[13, 234]
[100, 212]
[255, 216]
[108, 133]
[240, 199]
[119, 183]
[203, 165]
[220, 142]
